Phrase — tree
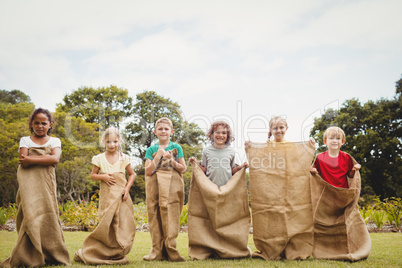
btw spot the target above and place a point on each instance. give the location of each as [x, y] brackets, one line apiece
[80, 142]
[373, 137]
[13, 97]
[13, 126]
[139, 135]
[105, 106]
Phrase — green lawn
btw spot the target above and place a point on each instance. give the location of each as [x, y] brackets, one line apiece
[386, 252]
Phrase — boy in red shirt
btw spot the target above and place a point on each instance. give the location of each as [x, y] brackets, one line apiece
[333, 165]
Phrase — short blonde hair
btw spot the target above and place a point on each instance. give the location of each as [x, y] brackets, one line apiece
[334, 131]
[164, 120]
[275, 120]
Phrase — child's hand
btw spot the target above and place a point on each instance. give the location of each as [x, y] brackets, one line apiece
[312, 141]
[109, 179]
[24, 161]
[313, 171]
[244, 165]
[247, 143]
[192, 160]
[125, 194]
[167, 155]
[357, 167]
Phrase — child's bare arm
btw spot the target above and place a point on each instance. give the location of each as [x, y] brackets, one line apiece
[193, 160]
[237, 168]
[352, 172]
[130, 181]
[42, 160]
[107, 178]
[179, 165]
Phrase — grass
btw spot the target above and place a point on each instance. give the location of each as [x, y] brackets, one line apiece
[385, 252]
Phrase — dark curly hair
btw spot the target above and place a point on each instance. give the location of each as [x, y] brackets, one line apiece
[40, 111]
[210, 134]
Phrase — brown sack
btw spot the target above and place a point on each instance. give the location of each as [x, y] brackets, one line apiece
[40, 236]
[218, 218]
[113, 238]
[165, 199]
[339, 230]
[280, 199]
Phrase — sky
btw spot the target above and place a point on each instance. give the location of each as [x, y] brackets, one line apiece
[240, 61]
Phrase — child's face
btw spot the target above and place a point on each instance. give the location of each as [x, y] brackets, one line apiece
[163, 131]
[220, 135]
[112, 143]
[279, 130]
[334, 142]
[41, 125]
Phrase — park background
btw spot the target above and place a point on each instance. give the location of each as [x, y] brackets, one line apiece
[126, 63]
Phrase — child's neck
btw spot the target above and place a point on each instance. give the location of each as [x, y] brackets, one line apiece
[221, 146]
[333, 153]
[40, 139]
[163, 144]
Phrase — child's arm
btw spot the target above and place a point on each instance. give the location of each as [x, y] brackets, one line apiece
[108, 178]
[42, 160]
[352, 172]
[179, 165]
[193, 160]
[130, 181]
[150, 165]
[237, 168]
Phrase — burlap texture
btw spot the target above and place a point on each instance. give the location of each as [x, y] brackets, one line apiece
[339, 230]
[113, 238]
[165, 200]
[281, 200]
[218, 218]
[40, 236]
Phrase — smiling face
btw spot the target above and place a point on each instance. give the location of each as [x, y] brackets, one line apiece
[334, 142]
[40, 125]
[163, 131]
[220, 135]
[112, 143]
[278, 130]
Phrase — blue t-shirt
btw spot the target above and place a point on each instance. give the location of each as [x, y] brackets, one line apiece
[154, 148]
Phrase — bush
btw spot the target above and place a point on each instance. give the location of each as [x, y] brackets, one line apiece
[393, 208]
[84, 215]
[184, 215]
[140, 213]
[8, 213]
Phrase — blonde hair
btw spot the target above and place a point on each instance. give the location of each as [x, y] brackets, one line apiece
[334, 131]
[275, 120]
[210, 134]
[164, 120]
[109, 131]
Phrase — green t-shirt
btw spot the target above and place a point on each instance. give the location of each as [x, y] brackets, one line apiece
[154, 148]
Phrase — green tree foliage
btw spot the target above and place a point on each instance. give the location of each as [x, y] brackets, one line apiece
[105, 106]
[13, 97]
[80, 142]
[373, 137]
[139, 133]
[13, 126]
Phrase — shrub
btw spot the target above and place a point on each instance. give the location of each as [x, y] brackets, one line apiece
[184, 215]
[393, 208]
[365, 212]
[84, 215]
[140, 213]
[378, 217]
[4, 215]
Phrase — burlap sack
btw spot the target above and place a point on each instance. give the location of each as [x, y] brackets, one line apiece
[218, 218]
[165, 200]
[113, 238]
[40, 236]
[280, 199]
[339, 230]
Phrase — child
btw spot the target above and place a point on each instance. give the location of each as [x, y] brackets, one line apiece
[40, 237]
[277, 128]
[218, 159]
[164, 166]
[333, 165]
[113, 238]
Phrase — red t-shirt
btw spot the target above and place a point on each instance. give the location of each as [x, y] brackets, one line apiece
[334, 170]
